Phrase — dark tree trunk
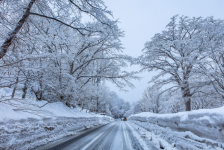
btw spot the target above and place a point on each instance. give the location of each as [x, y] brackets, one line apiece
[97, 104]
[12, 35]
[25, 90]
[222, 100]
[186, 94]
[39, 94]
[188, 105]
[14, 89]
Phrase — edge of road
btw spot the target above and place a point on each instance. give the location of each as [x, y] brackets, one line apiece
[68, 139]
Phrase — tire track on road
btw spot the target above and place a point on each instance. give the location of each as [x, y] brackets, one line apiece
[148, 143]
[126, 140]
[102, 140]
[134, 141]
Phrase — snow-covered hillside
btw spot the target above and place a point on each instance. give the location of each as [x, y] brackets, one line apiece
[27, 123]
[198, 129]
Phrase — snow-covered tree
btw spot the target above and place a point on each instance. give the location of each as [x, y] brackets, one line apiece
[177, 52]
[152, 100]
[66, 13]
[50, 48]
[213, 66]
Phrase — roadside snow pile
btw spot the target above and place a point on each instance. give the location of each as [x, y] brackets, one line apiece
[198, 129]
[104, 119]
[27, 123]
[30, 133]
[152, 140]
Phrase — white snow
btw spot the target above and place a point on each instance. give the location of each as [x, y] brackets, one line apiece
[203, 128]
[154, 139]
[27, 123]
[103, 119]
[141, 141]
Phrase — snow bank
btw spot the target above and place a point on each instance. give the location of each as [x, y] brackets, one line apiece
[104, 119]
[26, 124]
[194, 130]
[30, 133]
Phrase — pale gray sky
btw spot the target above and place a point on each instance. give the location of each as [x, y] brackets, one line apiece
[142, 19]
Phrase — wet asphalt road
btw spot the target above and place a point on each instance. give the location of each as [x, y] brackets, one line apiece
[119, 135]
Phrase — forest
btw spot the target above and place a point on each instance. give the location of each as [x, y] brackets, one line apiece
[67, 51]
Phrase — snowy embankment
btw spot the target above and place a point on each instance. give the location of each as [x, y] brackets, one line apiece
[198, 129]
[25, 124]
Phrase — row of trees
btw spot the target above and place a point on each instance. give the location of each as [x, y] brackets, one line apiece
[189, 59]
[105, 101]
[49, 49]
[65, 50]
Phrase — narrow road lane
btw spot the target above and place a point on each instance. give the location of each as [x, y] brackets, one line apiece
[118, 135]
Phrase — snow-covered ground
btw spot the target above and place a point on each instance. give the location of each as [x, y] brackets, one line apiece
[27, 123]
[198, 129]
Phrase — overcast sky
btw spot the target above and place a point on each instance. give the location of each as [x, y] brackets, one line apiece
[142, 19]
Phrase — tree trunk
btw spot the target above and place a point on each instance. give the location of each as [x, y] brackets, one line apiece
[39, 93]
[188, 104]
[24, 90]
[60, 82]
[14, 89]
[12, 35]
[222, 100]
[157, 105]
[97, 104]
[186, 94]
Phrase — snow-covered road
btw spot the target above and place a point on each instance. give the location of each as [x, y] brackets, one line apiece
[119, 135]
